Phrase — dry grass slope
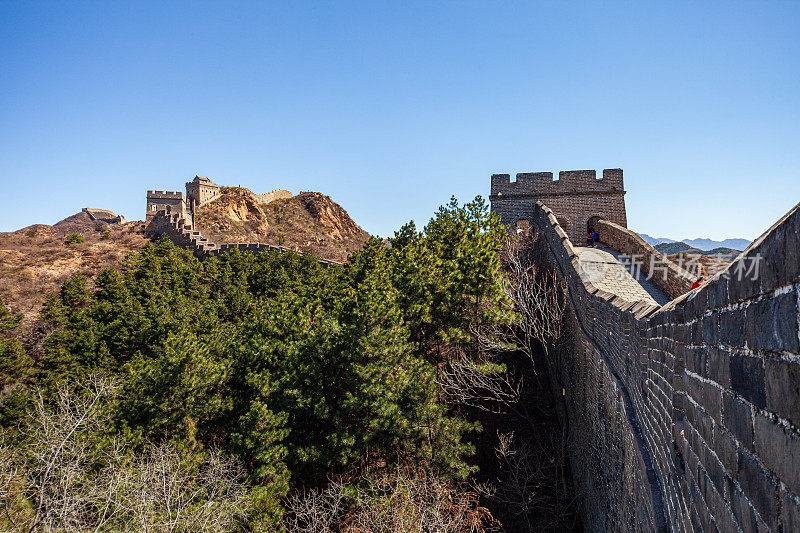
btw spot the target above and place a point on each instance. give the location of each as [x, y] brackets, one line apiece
[35, 260]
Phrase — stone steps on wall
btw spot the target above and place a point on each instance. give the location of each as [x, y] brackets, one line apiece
[182, 233]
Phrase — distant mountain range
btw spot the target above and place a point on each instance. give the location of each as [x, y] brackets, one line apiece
[700, 244]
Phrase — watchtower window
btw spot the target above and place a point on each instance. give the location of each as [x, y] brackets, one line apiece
[522, 228]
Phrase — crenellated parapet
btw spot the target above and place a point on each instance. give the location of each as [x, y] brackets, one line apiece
[171, 202]
[165, 195]
[576, 197]
[569, 182]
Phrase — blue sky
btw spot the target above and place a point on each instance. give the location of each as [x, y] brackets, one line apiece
[392, 107]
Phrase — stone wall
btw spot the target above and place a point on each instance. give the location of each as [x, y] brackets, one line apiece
[672, 280]
[182, 234]
[684, 417]
[575, 197]
[103, 215]
[277, 194]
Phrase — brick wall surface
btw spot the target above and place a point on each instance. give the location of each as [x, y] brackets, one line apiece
[684, 417]
[576, 197]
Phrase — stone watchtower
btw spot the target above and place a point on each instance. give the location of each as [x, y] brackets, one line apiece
[171, 202]
[200, 191]
[577, 198]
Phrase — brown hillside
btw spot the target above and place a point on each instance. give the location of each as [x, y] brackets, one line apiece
[35, 260]
[307, 221]
[707, 265]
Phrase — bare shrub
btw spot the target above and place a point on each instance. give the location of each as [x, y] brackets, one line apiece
[528, 319]
[523, 487]
[316, 511]
[67, 476]
[535, 304]
[159, 492]
[401, 502]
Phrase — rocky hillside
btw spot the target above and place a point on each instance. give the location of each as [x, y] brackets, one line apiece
[680, 247]
[307, 221]
[706, 262]
[36, 260]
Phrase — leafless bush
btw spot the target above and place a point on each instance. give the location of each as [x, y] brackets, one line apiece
[480, 382]
[401, 502]
[316, 511]
[535, 304]
[528, 318]
[66, 476]
[161, 493]
[522, 489]
[58, 459]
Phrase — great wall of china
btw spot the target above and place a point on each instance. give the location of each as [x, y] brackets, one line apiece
[171, 213]
[682, 407]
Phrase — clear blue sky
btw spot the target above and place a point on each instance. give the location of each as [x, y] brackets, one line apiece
[391, 108]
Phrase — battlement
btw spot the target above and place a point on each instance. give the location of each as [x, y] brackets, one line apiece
[165, 195]
[569, 182]
[576, 198]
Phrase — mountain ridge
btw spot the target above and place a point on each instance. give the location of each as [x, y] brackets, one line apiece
[700, 243]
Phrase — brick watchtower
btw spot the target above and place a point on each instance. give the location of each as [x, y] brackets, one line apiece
[199, 191]
[577, 197]
[171, 202]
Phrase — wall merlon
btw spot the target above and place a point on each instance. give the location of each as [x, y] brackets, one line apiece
[164, 195]
[568, 181]
[575, 198]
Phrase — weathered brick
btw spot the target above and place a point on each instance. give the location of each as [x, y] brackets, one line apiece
[779, 449]
[719, 366]
[707, 522]
[783, 389]
[759, 487]
[747, 378]
[701, 422]
[791, 250]
[711, 329]
[695, 359]
[745, 288]
[742, 510]
[697, 332]
[714, 469]
[717, 293]
[708, 395]
[781, 251]
[723, 517]
[731, 327]
[725, 446]
[790, 513]
[772, 324]
[737, 417]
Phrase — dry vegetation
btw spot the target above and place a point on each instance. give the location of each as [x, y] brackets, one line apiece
[307, 221]
[36, 260]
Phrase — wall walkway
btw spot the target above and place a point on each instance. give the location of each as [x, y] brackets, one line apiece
[683, 416]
